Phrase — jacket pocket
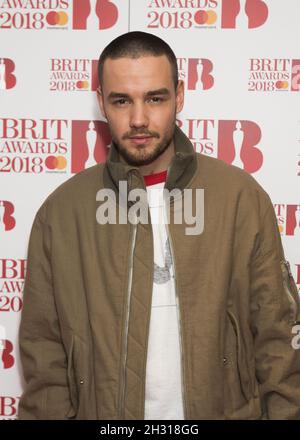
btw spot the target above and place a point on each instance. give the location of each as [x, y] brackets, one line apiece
[71, 376]
[291, 291]
[238, 383]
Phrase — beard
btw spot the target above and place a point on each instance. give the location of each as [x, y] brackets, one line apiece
[140, 155]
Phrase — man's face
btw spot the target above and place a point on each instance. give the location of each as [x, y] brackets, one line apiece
[138, 99]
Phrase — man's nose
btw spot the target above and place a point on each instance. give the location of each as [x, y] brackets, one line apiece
[138, 115]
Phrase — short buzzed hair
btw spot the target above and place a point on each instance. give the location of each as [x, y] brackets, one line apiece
[136, 44]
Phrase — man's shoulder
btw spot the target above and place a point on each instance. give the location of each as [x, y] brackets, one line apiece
[230, 182]
[76, 190]
[216, 170]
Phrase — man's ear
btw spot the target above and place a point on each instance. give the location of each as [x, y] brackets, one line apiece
[179, 96]
[100, 100]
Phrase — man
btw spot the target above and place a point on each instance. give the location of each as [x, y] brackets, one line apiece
[141, 320]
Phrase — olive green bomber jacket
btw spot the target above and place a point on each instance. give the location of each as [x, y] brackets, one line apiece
[87, 300]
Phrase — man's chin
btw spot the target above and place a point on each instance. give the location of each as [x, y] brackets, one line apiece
[138, 162]
[142, 155]
[139, 157]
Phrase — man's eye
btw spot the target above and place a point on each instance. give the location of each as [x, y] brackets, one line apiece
[156, 98]
[120, 101]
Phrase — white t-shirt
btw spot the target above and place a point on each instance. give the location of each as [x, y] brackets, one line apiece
[163, 397]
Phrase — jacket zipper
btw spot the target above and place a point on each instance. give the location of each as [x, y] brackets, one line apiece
[122, 397]
[183, 389]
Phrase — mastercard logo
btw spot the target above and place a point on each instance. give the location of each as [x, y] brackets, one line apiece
[57, 18]
[282, 84]
[82, 84]
[205, 17]
[56, 162]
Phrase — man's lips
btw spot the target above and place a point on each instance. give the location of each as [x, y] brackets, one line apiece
[140, 139]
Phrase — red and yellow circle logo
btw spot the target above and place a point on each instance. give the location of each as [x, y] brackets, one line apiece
[82, 84]
[282, 84]
[57, 18]
[205, 17]
[56, 162]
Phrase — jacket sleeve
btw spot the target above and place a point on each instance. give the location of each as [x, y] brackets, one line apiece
[275, 311]
[43, 358]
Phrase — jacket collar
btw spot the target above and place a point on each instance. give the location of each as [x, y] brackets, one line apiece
[180, 171]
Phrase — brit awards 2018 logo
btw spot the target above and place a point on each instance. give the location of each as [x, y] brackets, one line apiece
[33, 145]
[7, 219]
[58, 14]
[288, 218]
[274, 75]
[206, 14]
[90, 144]
[12, 276]
[7, 78]
[43, 145]
[235, 142]
[196, 72]
[182, 14]
[68, 75]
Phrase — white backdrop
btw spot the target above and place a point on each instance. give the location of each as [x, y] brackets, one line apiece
[241, 64]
